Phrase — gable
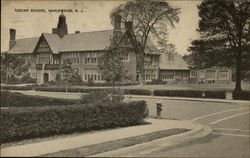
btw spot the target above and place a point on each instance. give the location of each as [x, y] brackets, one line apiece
[42, 46]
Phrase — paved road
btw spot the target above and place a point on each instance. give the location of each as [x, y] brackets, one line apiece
[230, 123]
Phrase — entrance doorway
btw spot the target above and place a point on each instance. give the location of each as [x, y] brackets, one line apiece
[45, 77]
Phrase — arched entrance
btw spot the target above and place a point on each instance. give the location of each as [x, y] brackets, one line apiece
[45, 77]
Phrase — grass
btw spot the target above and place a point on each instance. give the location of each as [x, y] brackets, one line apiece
[116, 144]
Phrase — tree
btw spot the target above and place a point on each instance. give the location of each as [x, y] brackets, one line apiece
[68, 73]
[208, 53]
[228, 21]
[150, 17]
[111, 66]
[11, 65]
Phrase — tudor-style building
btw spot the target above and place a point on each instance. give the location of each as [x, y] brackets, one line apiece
[45, 54]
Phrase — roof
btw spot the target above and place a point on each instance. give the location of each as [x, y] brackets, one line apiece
[172, 61]
[97, 40]
[87, 41]
[25, 45]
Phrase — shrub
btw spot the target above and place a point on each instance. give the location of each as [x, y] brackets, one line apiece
[156, 82]
[178, 93]
[15, 99]
[105, 96]
[241, 95]
[215, 94]
[137, 91]
[29, 122]
[17, 87]
[27, 79]
[90, 81]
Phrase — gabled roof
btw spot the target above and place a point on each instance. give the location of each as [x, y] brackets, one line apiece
[172, 61]
[25, 45]
[87, 41]
[54, 42]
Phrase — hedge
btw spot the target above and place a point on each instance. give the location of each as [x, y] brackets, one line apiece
[241, 95]
[215, 94]
[178, 93]
[31, 122]
[137, 91]
[17, 87]
[15, 99]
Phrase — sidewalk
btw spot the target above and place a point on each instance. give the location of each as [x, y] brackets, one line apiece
[89, 138]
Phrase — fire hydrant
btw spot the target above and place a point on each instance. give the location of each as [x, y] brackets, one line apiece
[158, 109]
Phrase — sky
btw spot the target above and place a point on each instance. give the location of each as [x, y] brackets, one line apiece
[91, 16]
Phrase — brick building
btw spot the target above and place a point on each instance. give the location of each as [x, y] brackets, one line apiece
[45, 54]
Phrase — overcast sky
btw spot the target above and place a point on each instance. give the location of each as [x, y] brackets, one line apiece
[95, 16]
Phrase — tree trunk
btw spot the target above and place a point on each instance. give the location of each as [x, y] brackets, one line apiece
[66, 88]
[238, 73]
[6, 78]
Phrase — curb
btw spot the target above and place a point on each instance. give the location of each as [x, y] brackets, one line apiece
[167, 142]
[188, 99]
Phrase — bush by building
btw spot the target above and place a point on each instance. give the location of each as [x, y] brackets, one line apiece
[29, 122]
[178, 93]
[137, 91]
[215, 94]
[15, 99]
[241, 95]
[156, 82]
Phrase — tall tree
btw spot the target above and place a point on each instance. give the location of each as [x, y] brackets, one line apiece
[150, 17]
[11, 65]
[111, 66]
[227, 20]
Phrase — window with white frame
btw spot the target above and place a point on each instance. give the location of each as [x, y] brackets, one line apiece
[211, 74]
[124, 56]
[150, 75]
[223, 74]
[193, 74]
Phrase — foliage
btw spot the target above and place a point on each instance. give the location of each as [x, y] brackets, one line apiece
[69, 74]
[227, 21]
[241, 95]
[157, 82]
[15, 99]
[90, 81]
[178, 93]
[27, 79]
[150, 18]
[11, 65]
[23, 88]
[29, 122]
[215, 94]
[111, 66]
[137, 91]
[105, 96]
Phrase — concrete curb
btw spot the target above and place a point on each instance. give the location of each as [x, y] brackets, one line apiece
[189, 99]
[158, 144]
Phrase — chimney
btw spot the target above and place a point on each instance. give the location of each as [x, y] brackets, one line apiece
[12, 41]
[77, 32]
[117, 29]
[54, 30]
[129, 25]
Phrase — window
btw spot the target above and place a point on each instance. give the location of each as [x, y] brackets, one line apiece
[124, 56]
[211, 74]
[148, 61]
[150, 74]
[202, 75]
[193, 74]
[223, 74]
